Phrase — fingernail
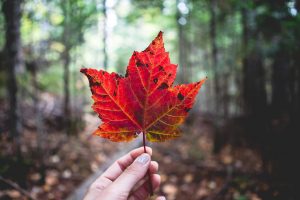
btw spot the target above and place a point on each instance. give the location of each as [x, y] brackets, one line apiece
[161, 198]
[143, 159]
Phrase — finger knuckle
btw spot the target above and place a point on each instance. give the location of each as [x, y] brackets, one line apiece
[97, 187]
[132, 170]
[120, 195]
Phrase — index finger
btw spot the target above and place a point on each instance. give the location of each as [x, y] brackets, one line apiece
[116, 169]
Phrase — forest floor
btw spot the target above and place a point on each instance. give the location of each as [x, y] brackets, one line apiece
[53, 169]
[188, 166]
[191, 170]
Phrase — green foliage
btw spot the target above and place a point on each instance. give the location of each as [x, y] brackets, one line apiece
[75, 17]
[148, 10]
[51, 27]
[50, 80]
[48, 29]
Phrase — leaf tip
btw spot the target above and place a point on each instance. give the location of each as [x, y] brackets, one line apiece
[156, 44]
[83, 70]
[204, 80]
[159, 38]
[201, 82]
[160, 34]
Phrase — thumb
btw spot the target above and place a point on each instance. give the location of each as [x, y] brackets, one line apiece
[135, 172]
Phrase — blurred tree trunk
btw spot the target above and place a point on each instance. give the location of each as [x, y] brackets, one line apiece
[66, 81]
[297, 96]
[280, 83]
[12, 50]
[1, 59]
[32, 67]
[182, 53]
[295, 83]
[254, 92]
[225, 96]
[214, 54]
[66, 7]
[181, 44]
[104, 38]
[78, 16]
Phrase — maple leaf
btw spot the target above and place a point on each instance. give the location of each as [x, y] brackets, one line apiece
[144, 101]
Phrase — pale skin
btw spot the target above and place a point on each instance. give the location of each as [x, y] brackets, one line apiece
[126, 178]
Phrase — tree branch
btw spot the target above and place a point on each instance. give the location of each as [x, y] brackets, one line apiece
[16, 187]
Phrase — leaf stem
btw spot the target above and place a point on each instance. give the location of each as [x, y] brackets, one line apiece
[148, 172]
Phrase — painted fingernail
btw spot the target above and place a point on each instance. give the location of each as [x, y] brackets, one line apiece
[143, 159]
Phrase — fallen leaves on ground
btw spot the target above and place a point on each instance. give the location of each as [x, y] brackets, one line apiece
[54, 170]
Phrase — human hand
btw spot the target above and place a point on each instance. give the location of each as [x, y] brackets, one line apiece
[125, 178]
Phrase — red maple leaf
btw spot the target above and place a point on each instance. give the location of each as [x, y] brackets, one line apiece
[144, 101]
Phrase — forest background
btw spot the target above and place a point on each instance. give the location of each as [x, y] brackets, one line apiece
[242, 129]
